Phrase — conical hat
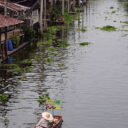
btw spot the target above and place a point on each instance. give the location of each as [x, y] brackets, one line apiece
[47, 116]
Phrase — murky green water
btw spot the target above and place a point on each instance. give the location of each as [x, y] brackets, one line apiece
[91, 81]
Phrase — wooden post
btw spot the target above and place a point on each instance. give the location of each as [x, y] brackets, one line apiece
[41, 16]
[5, 45]
[63, 7]
[68, 6]
[45, 13]
[74, 3]
[5, 8]
[0, 47]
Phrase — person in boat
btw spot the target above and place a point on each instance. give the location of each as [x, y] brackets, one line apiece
[46, 121]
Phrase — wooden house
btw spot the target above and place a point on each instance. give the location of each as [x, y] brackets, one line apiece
[8, 27]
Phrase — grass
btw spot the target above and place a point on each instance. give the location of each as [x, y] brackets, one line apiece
[107, 28]
[84, 43]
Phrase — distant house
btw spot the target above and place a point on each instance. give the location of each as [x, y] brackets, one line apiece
[33, 6]
[14, 10]
[8, 27]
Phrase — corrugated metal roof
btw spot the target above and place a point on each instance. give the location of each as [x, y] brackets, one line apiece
[14, 6]
[6, 21]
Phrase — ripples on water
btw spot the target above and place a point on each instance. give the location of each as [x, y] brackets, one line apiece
[91, 81]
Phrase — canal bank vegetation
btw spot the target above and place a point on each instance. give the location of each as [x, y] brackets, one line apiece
[51, 43]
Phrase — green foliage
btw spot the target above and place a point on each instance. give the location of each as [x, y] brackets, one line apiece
[52, 30]
[3, 98]
[15, 39]
[68, 18]
[84, 43]
[30, 34]
[43, 98]
[38, 58]
[56, 13]
[107, 28]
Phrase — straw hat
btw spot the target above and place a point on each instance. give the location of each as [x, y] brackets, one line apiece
[47, 116]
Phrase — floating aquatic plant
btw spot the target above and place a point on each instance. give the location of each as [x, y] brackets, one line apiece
[11, 68]
[63, 44]
[83, 29]
[111, 7]
[113, 11]
[27, 68]
[84, 43]
[61, 65]
[48, 42]
[48, 60]
[3, 98]
[43, 98]
[107, 28]
[125, 22]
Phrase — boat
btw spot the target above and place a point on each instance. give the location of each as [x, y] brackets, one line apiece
[58, 123]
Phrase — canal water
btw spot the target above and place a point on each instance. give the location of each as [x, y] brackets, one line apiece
[91, 81]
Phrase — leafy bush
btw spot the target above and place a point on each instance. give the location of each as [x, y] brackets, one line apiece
[15, 39]
[30, 34]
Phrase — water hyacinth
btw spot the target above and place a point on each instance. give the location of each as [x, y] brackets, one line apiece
[107, 28]
[3, 98]
[84, 43]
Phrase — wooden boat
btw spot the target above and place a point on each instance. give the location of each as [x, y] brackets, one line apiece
[58, 122]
